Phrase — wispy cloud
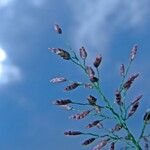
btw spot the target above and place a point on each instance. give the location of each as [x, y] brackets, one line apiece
[9, 73]
[95, 22]
[4, 3]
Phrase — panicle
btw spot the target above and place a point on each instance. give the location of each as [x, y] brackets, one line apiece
[72, 86]
[92, 100]
[117, 127]
[133, 109]
[97, 61]
[122, 70]
[95, 123]
[80, 115]
[128, 83]
[90, 71]
[118, 98]
[101, 144]
[62, 102]
[112, 146]
[72, 133]
[62, 53]
[83, 53]
[147, 116]
[133, 51]
[88, 141]
[58, 80]
[57, 28]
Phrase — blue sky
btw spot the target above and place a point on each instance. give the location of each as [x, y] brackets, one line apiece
[29, 121]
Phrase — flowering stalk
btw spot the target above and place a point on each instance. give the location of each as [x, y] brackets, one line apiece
[120, 118]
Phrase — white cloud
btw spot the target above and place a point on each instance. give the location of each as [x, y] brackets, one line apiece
[96, 21]
[8, 72]
[4, 3]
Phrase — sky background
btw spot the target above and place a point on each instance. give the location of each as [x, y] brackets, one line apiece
[28, 120]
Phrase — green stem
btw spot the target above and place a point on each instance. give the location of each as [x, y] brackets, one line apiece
[142, 132]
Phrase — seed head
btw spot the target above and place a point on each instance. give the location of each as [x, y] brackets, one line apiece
[112, 146]
[58, 80]
[91, 99]
[90, 71]
[101, 144]
[133, 109]
[147, 116]
[88, 85]
[97, 61]
[62, 53]
[57, 29]
[83, 53]
[117, 127]
[118, 98]
[129, 82]
[80, 115]
[88, 141]
[62, 102]
[122, 70]
[94, 79]
[95, 123]
[146, 145]
[66, 107]
[72, 133]
[72, 86]
[97, 109]
[137, 99]
[133, 52]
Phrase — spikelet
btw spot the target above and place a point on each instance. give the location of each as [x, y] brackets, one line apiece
[117, 127]
[94, 79]
[88, 141]
[97, 61]
[95, 123]
[72, 86]
[88, 85]
[58, 80]
[112, 146]
[118, 98]
[80, 115]
[147, 116]
[62, 53]
[68, 133]
[62, 102]
[133, 52]
[83, 53]
[92, 100]
[97, 109]
[66, 107]
[101, 144]
[128, 83]
[133, 109]
[90, 71]
[57, 29]
[122, 70]
[146, 143]
[137, 99]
